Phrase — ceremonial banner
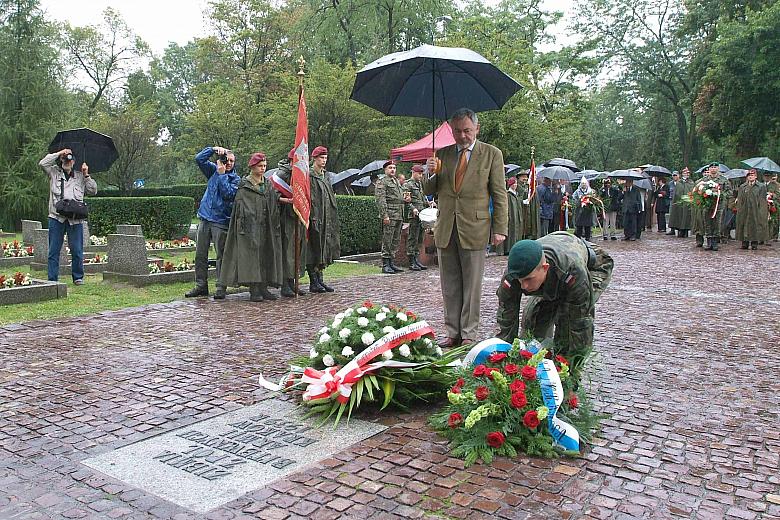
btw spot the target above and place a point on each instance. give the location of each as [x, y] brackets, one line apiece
[532, 180]
[301, 189]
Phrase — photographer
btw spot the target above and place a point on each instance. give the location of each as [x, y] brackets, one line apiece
[214, 213]
[66, 184]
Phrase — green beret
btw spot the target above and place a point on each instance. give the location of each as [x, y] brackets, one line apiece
[524, 257]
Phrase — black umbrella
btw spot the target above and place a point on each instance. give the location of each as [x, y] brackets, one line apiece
[93, 148]
[722, 167]
[736, 173]
[628, 175]
[346, 174]
[554, 172]
[566, 163]
[658, 171]
[371, 167]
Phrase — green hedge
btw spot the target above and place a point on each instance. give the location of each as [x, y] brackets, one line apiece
[195, 191]
[163, 218]
[361, 229]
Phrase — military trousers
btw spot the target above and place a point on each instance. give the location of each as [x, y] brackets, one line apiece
[391, 236]
[415, 237]
[712, 225]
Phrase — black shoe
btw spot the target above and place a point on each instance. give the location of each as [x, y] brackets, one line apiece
[322, 283]
[267, 295]
[395, 267]
[254, 293]
[386, 269]
[220, 294]
[418, 264]
[744, 245]
[699, 240]
[754, 245]
[605, 239]
[715, 242]
[613, 238]
[287, 289]
[413, 265]
[197, 291]
[314, 284]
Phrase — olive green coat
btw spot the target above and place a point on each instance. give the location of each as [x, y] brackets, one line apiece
[712, 222]
[324, 245]
[289, 221]
[566, 299]
[254, 239]
[680, 212]
[774, 225]
[530, 212]
[515, 229]
[752, 212]
[389, 198]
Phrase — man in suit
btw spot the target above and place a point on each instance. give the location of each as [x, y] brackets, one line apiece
[632, 205]
[467, 174]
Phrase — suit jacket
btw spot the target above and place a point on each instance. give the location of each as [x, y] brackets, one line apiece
[484, 178]
[632, 202]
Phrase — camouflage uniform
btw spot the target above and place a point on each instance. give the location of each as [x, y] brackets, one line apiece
[418, 202]
[390, 201]
[579, 272]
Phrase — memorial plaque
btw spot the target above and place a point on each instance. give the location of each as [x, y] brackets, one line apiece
[212, 462]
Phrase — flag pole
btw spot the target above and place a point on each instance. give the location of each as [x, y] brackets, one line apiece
[296, 232]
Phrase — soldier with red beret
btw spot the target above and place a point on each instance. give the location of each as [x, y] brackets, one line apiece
[324, 246]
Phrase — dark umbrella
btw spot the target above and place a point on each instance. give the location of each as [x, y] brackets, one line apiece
[628, 175]
[762, 163]
[658, 171]
[722, 167]
[554, 172]
[432, 82]
[590, 175]
[93, 148]
[643, 184]
[566, 163]
[341, 176]
[371, 167]
[362, 182]
[736, 173]
[510, 169]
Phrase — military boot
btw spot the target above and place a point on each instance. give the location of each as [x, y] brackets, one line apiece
[386, 269]
[395, 267]
[710, 242]
[254, 293]
[287, 288]
[754, 245]
[699, 240]
[715, 242]
[267, 295]
[413, 265]
[422, 267]
[744, 244]
[314, 284]
[322, 282]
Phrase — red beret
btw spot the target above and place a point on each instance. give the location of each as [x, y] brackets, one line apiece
[256, 158]
[418, 168]
[388, 163]
[511, 181]
[320, 150]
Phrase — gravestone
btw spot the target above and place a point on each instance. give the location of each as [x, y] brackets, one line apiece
[207, 464]
[127, 254]
[41, 248]
[129, 229]
[85, 233]
[28, 231]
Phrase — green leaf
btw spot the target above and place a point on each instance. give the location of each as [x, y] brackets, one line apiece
[388, 387]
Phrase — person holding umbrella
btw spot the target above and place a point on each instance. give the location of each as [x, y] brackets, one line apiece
[469, 173]
[662, 199]
[632, 206]
[66, 184]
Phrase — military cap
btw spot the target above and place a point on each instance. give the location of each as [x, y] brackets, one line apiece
[524, 257]
[256, 158]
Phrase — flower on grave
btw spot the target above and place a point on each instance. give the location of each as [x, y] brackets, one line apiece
[401, 316]
[323, 330]
[528, 372]
[344, 333]
[324, 338]
[388, 329]
[328, 360]
[363, 322]
[385, 310]
[348, 312]
[439, 351]
[404, 350]
[381, 316]
[518, 400]
[154, 268]
[531, 419]
[495, 439]
[387, 355]
[347, 351]
[312, 353]
[542, 412]
[362, 310]
[496, 357]
[336, 323]
[455, 420]
[367, 338]
[481, 393]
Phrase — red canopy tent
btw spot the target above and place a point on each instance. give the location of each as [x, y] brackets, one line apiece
[420, 151]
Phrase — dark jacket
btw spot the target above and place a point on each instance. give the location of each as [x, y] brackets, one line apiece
[662, 198]
[546, 200]
[613, 198]
[632, 200]
[217, 202]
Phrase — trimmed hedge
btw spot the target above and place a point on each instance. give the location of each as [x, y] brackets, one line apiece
[360, 227]
[163, 218]
[195, 191]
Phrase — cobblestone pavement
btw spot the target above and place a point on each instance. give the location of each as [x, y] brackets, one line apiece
[688, 368]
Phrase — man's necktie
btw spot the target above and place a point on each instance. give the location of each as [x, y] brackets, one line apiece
[460, 171]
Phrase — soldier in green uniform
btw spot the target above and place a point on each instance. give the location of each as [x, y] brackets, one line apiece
[530, 208]
[773, 187]
[564, 276]
[680, 212]
[288, 222]
[711, 218]
[752, 211]
[390, 201]
[324, 245]
[417, 203]
[515, 228]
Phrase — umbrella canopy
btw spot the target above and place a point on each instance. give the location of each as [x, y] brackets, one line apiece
[342, 176]
[643, 184]
[363, 182]
[644, 166]
[722, 167]
[762, 163]
[510, 170]
[432, 82]
[566, 163]
[736, 173]
[590, 175]
[658, 171]
[419, 151]
[371, 167]
[93, 148]
[554, 172]
[629, 175]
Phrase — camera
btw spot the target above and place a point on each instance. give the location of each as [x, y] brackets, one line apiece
[222, 158]
[67, 157]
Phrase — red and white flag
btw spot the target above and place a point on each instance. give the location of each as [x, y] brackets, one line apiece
[532, 180]
[301, 189]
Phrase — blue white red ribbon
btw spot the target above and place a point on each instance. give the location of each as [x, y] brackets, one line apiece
[281, 186]
[480, 352]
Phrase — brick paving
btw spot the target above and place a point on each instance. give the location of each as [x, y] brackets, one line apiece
[687, 367]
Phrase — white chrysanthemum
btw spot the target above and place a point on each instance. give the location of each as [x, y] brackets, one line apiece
[404, 350]
[439, 352]
[522, 345]
[388, 329]
[708, 192]
[324, 338]
[387, 354]
[339, 316]
[401, 316]
[328, 360]
[344, 333]
[367, 338]
[381, 316]
[349, 312]
[363, 322]
[347, 351]
[312, 353]
[323, 330]
[336, 323]
[385, 310]
[427, 341]
[362, 310]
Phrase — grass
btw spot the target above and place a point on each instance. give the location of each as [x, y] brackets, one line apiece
[96, 296]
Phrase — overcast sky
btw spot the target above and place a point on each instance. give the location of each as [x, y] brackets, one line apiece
[159, 22]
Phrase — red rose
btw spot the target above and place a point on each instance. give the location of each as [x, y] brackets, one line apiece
[573, 401]
[530, 419]
[511, 369]
[496, 357]
[481, 393]
[519, 400]
[548, 355]
[528, 372]
[490, 371]
[460, 382]
[454, 420]
[455, 389]
[495, 439]
[368, 305]
[526, 354]
[480, 370]
[517, 386]
[562, 360]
